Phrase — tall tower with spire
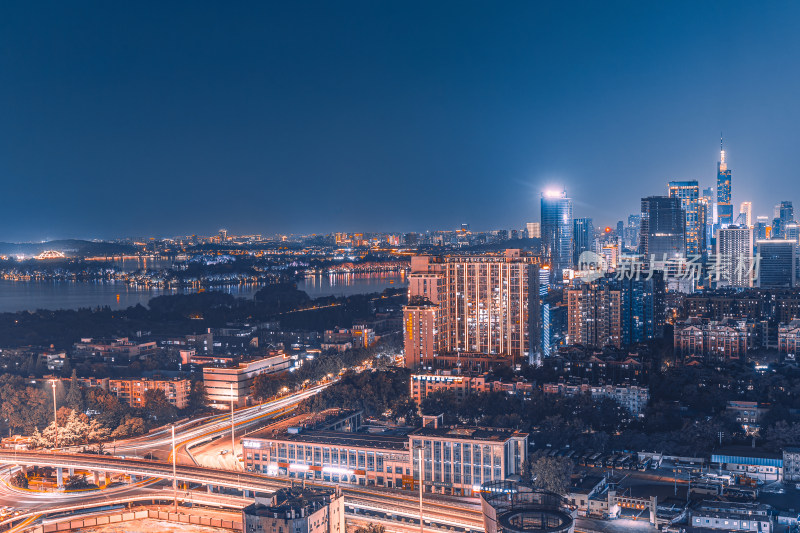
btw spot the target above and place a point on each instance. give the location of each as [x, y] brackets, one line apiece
[724, 204]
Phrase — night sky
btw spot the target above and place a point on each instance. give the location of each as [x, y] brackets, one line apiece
[169, 118]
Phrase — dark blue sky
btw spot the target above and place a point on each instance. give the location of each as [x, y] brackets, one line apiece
[165, 118]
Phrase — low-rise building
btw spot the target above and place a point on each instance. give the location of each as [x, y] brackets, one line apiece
[462, 385]
[789, 338]
[224, 384]
[295, 509]
[456, 460]
[752, 462]
[132, 391]
[747, 414]
[634, 398]
[791, 464]
[731, 516]
[727, 339]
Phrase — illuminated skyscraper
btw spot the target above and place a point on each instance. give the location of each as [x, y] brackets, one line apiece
[747, 209]
[583, 235]
[724, 205]
[557, 238]
[689, 194]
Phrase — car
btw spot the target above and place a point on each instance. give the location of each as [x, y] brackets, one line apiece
[223, 452]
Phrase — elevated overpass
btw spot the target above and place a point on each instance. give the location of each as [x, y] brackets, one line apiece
[392, 503]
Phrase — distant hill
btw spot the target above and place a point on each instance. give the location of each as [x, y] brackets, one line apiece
[70, 247]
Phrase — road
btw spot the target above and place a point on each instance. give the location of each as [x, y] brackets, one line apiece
[448, 511]
[159, 442]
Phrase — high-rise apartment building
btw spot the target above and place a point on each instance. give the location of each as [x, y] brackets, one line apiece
[734, 267]
[557, 238]
[594, 313]
[583, 234]
[618, 312]
[534, 230]
[487, 304]
[663, 230]
[724, 205]
[689, 194]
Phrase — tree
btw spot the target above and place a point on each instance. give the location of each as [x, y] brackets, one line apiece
[552, 473]
[74, 397]
[198, 399]
[158, 407]
[130, 427]
[371, 528]
[19, 480]
[76, 482]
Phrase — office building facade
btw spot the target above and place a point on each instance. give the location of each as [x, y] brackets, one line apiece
[688, 192]
[777, 260]
[724, 203]
[557, 237]
[583, 235]
[663, 229]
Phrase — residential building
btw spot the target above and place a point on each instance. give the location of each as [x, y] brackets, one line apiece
[132, 391]
[421, 336]
[534, 230]
[485, 306]
[748, 414]
[791, 464]
[789, 339]
[634, 398]
[235, 382]
[728, 339]
[734, 260]
[615, 311]
[464, 384]
[296, 510]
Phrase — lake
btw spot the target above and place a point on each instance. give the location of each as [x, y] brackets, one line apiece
[32, 295]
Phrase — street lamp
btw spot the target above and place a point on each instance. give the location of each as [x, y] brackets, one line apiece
[174, 474]
[419, 449]
[233, 440]
[55, 412]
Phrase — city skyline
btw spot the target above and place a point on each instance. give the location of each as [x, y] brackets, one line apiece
[109, 135]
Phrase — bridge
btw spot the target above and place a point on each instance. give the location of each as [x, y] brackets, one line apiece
[382, 504]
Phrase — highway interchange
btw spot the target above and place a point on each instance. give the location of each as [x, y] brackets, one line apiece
[388, 506]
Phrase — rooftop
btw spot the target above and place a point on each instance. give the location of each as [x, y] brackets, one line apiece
[468, 433]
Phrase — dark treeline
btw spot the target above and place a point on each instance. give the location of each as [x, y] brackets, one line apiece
[181, 314]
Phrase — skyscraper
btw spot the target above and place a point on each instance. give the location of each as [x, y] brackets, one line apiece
[534, 230]
[557, 239]
[583, 234]
[663, 231]
[724, 205]
[735, 257]
[689, 193]
[747, 209]
[784, 217]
